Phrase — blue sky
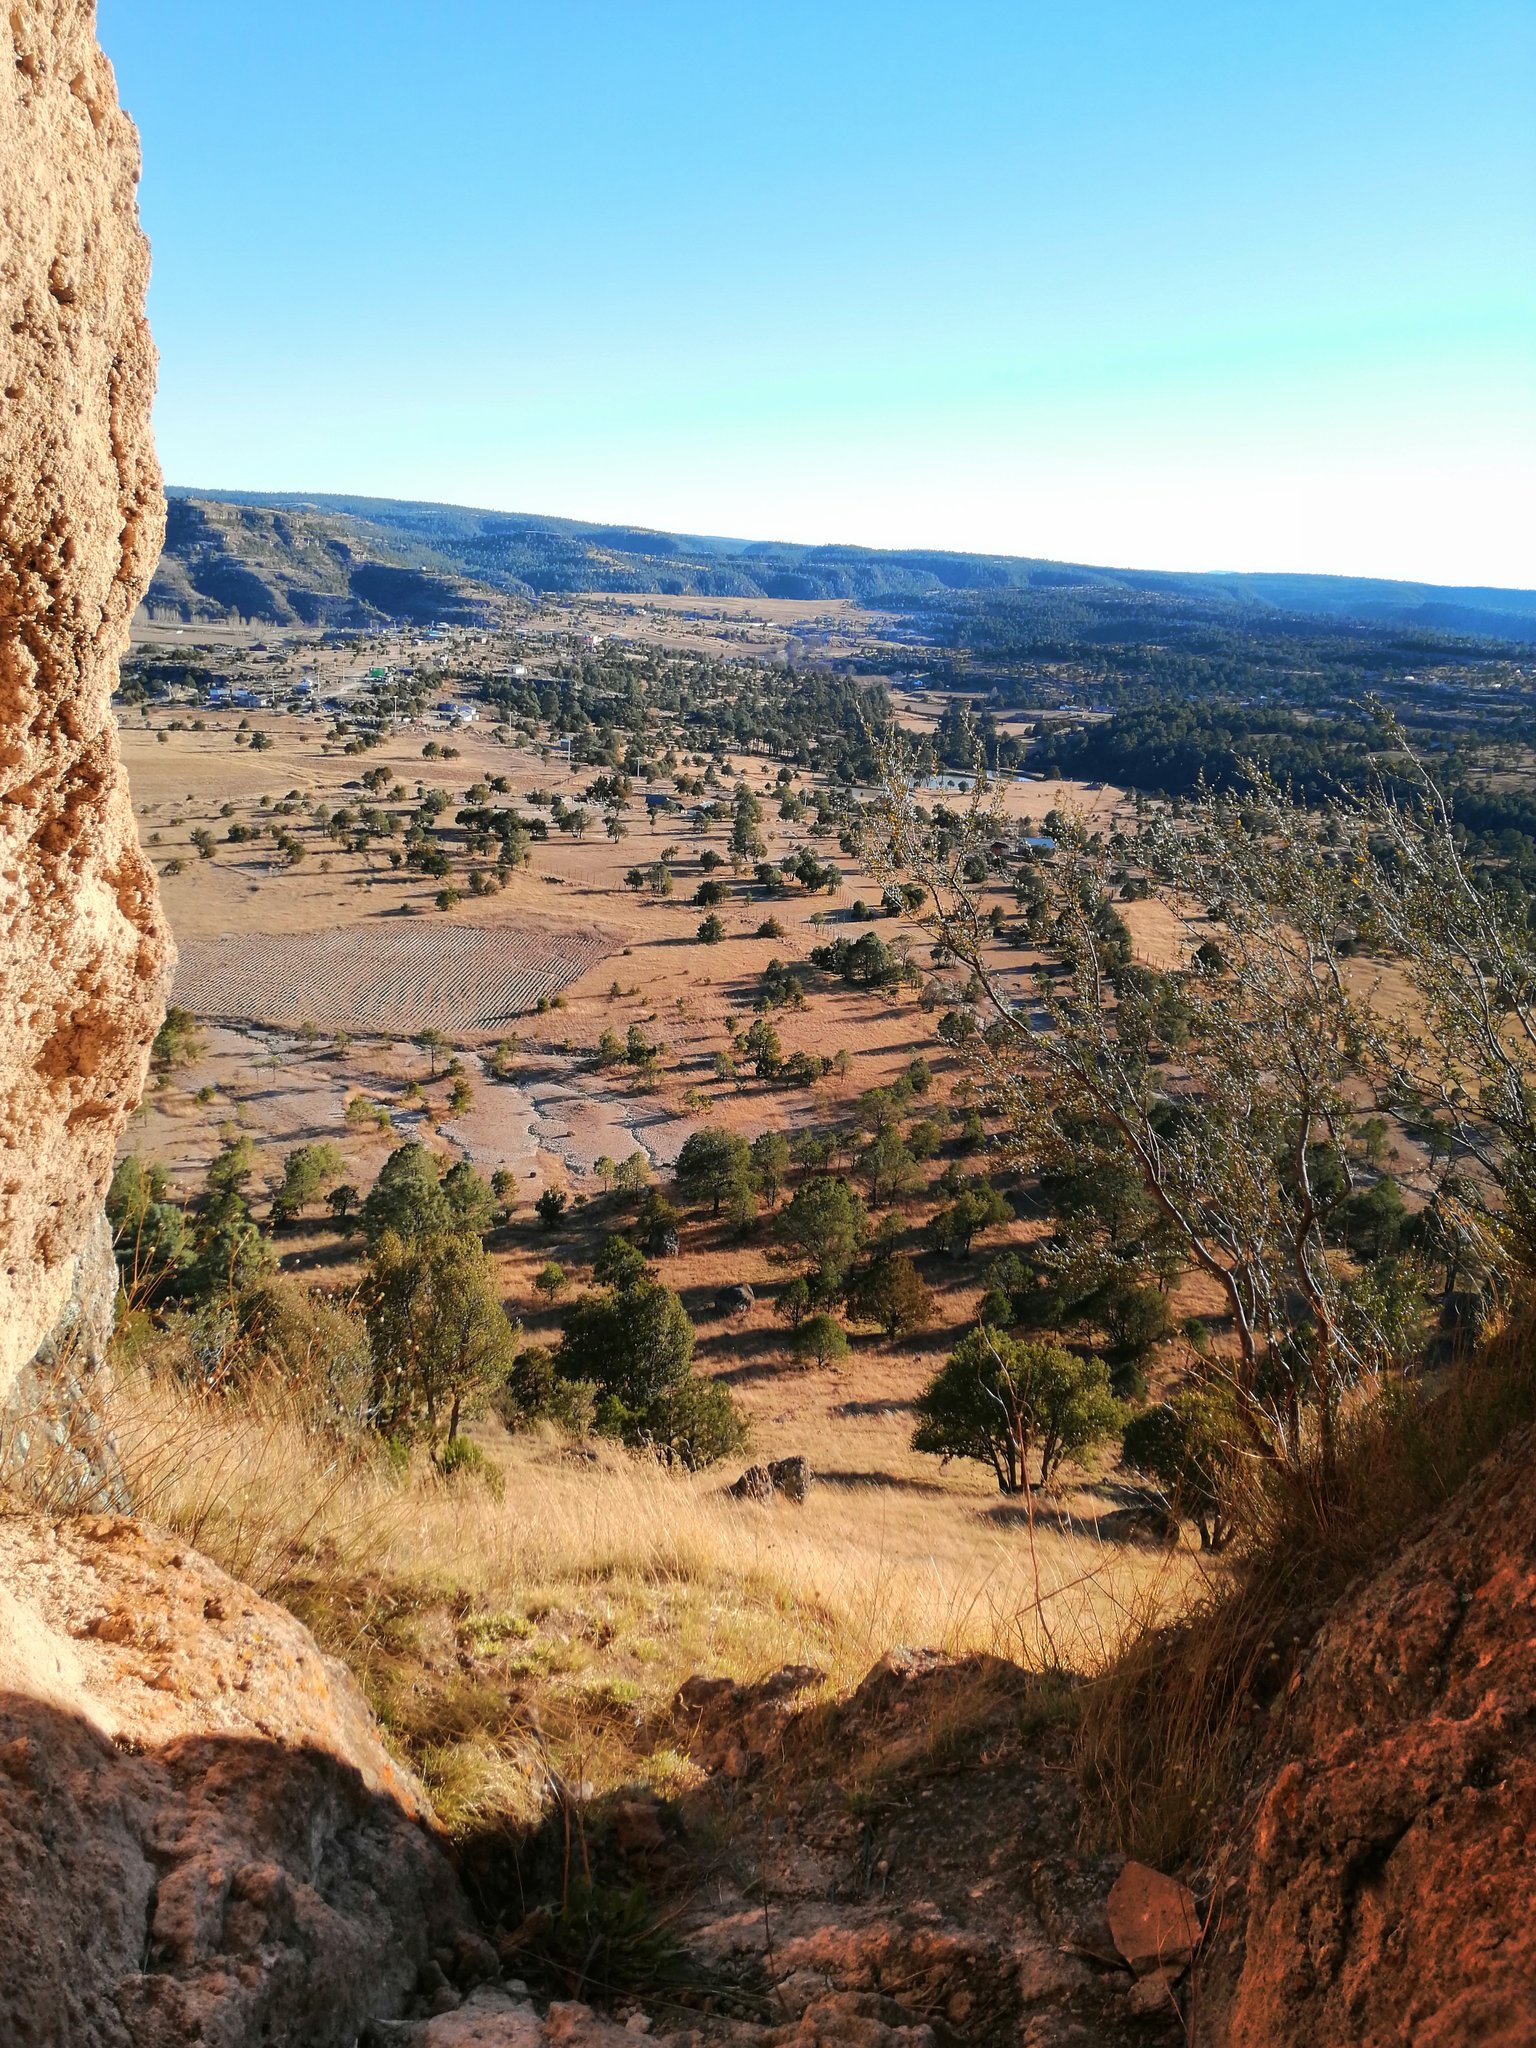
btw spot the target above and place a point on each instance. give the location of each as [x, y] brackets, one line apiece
[1138, 281]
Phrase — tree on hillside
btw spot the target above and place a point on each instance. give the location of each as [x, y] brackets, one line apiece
[711, 1166]
[440, 1340]
[1000, 1400]
[1185, 1445]
[894, 1295]
[976, 1208]
[1224, 1090]
[178, 1042]
[825, 1224]
[471, 1202]
[432, 1042]
[820, 1337]
[631, 1342]
[888, 1167]
[634, 1345]
[149, 1230]
[307, 1173]
[407, 1198]
[770, 1165]
[747, 841]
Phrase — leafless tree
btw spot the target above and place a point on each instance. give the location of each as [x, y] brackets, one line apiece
[1228, 1078]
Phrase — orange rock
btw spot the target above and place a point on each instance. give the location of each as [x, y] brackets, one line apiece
[85, 955]
[1153, 1919]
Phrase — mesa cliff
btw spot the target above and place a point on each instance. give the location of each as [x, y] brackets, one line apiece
[85, 955]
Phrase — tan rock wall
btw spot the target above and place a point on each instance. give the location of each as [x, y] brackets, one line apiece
[85, 956]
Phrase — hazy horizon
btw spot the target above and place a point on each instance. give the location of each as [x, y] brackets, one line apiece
[1164, 290]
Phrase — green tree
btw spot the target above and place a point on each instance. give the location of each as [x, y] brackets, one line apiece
[550, 1279]
[977, 1208]
[888, 1167]
[820, 1337]
[149, 1231]
[794, 1302]
[230, 1255]
[179, 1041]
[1000, 1399]
[471, 1201]
[232, 1166]
[535, 1392]
[550, 1208]
[432, 1042]
[631, 1342]
[825, 1224]
[747, 842]
[407, 1199]
[619, 1264]
[1188, 1445]
[711, 1166]
[711, 931]
[692, 1423]
[764, 1048]
[307, 1173]
[440, 1339]
[893, 1295]
[770, 1165]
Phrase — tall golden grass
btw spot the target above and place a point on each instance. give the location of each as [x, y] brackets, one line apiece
[590, 1583]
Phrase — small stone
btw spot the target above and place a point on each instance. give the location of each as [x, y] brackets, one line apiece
[474, 1961]
[637, 1827]
[1152, 1995]
[1153, 1919]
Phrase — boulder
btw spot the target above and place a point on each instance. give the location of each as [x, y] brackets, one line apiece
[756, 1483]
[211, 1840]
[791, 1478]
[734, 1301]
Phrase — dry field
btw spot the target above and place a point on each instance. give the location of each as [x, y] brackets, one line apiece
[403, 979]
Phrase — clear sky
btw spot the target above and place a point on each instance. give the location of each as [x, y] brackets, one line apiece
[1171, 283]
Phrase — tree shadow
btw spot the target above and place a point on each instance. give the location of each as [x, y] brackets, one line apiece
[894, 1482]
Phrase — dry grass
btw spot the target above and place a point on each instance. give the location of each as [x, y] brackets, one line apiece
[1167, 1727]
[535, 1633]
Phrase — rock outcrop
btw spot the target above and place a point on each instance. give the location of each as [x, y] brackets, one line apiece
[85, 956]
[1386, 1897]
[202, 1837]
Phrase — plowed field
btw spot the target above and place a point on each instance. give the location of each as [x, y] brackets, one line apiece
[399, 978]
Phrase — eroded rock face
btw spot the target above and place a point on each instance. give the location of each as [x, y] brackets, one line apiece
[1388, 1890]
[202, 1837]
[85, 957]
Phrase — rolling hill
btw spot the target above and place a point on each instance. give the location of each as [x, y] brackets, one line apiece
[287, 558]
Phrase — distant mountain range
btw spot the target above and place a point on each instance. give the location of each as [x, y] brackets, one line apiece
[285, 558]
